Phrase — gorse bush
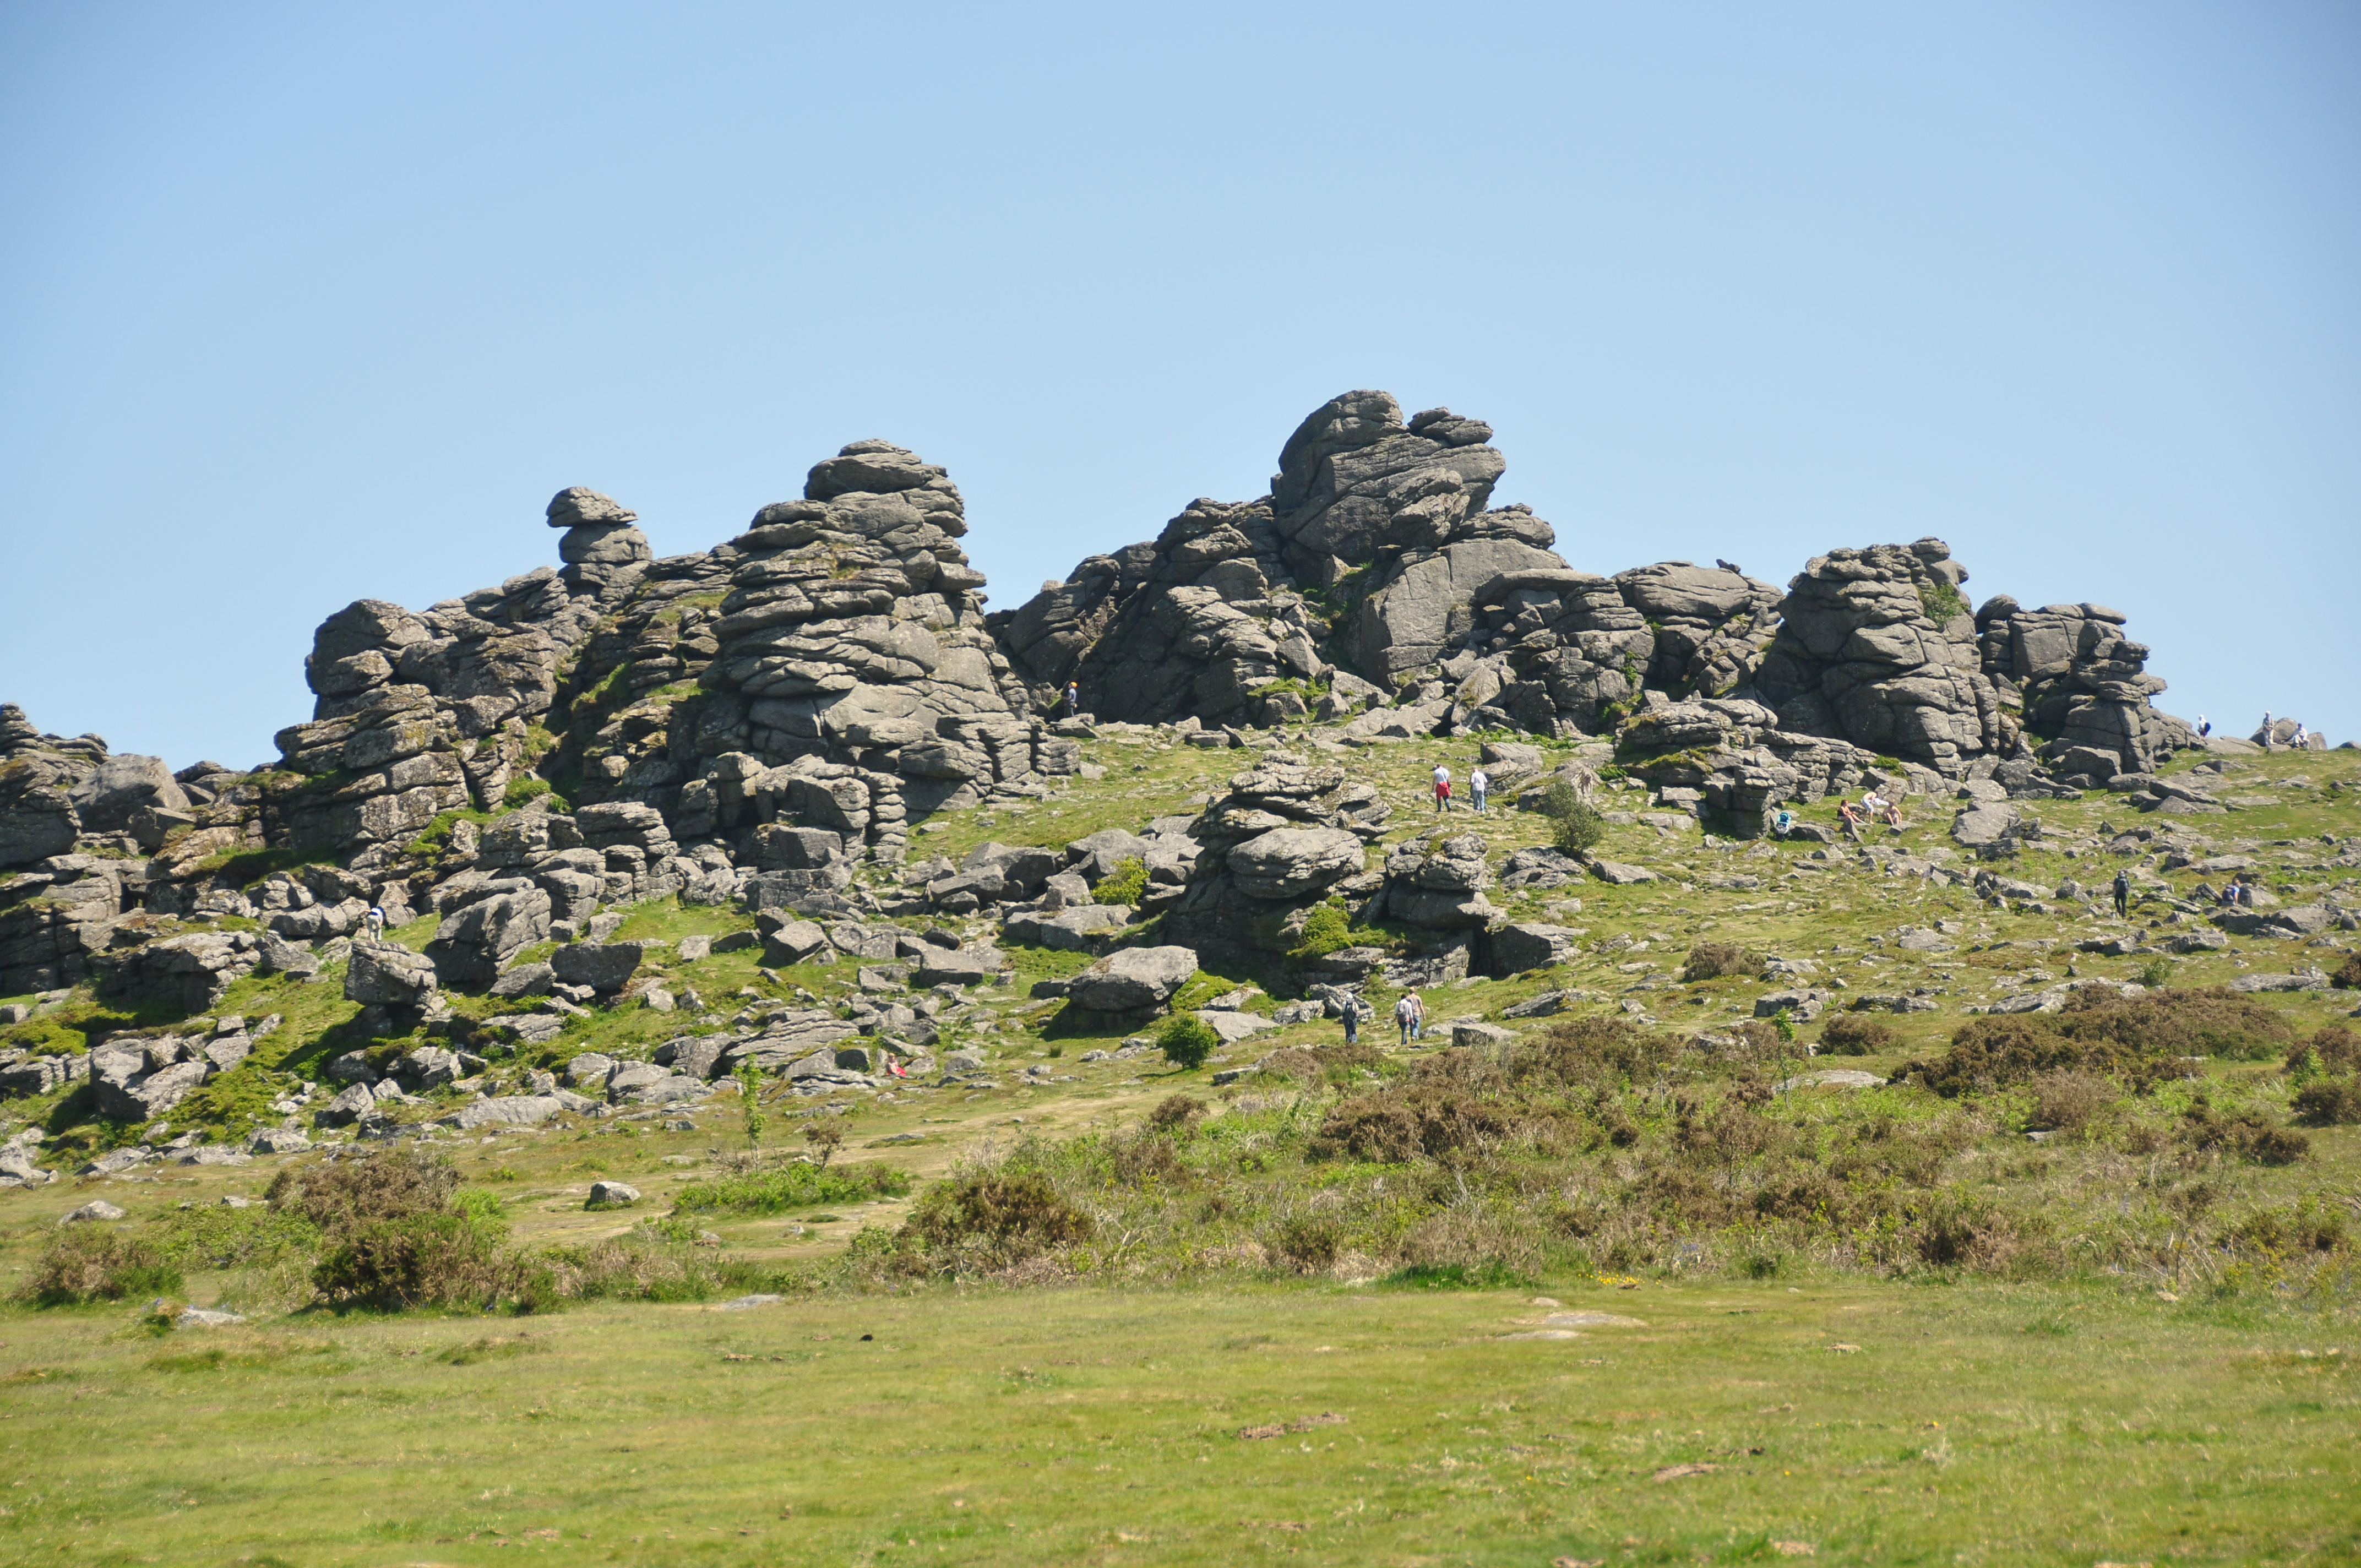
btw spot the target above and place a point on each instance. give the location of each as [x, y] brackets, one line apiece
[1711, 960]
[423, 1260]
[2136, 1039]
[1856, 1035]
[1008, 1215]
[90, 1263]
[792, 1186]
[335, 1195]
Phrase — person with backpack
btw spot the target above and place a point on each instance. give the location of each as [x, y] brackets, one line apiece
[1441, 789]
[373, 924]
[1352, 1022]
[2123, 894]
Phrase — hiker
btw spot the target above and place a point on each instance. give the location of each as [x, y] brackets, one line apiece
[2229, 893]
[374, 922]
[1479, 783]
[1417, 1015]
[2204, 727]
[2123, 894]
[1073, 698]
[2264, 734]
[1352, 1022]
[1783, 824]
[1441, 789]
[1405, 1014]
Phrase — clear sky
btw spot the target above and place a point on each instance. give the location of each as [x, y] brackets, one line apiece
[305, 303]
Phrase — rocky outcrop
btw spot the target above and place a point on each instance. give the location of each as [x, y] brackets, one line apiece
[1377, 568]
[1287, 835]
[1876, 647]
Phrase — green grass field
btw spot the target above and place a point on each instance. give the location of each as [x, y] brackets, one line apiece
[1979, 1424]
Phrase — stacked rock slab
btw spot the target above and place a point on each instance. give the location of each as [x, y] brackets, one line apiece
[2076, 678]
[1285, 837]
[853, 634]
[1875, 646]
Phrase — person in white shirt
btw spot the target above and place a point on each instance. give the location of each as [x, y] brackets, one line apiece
[1441, 789]
[1480, 784]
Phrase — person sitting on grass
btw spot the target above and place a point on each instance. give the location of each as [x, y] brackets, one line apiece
[1851, 818]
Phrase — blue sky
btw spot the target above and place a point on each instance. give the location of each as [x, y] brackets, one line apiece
[301, 304]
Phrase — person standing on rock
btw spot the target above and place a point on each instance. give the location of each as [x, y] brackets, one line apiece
[1479, 784]
[373, 924]
[2123, 894]
[1073, 698]
[1441, 789]
[2204, 727]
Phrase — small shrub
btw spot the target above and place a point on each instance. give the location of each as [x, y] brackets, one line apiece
[2155, 973]
[1327, 930]
[750, 1092]
[824, 1141]
[2328, 1102]
[1942, 602]
[2246, 1136]
[2348, 973]
[1575, 825]
[421, 1260]
[2136, 1039]
[1174, 1111]
[1711, 960]
[2335, 1049]
[340, 1195]
[88, 1263]
[1393, 1129]
[1011, 1214]
[2067, 1101]
[1307, 1245]
[1187, 1040]
[2303, 1226]
[792, 1186]
[637, 1268]
[1124, 884]
[1594, 1052]
[1856, 1035]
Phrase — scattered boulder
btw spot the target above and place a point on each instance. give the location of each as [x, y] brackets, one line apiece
[1134, 980]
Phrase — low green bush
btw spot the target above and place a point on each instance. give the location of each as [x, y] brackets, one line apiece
[1127, 883]
[792, 1186]
[1008, 1214]
[1575, 827]
[1328, 929]
[89, 1263]
[425, 1260]
[1187, 1040]
[1855, 1034]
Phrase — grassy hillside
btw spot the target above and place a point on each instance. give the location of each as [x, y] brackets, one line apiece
[2113, 1280]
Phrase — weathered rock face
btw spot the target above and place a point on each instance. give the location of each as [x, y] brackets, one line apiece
[1386, 520]
[1287, 835]
[2074, 676]
[1860, 655]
